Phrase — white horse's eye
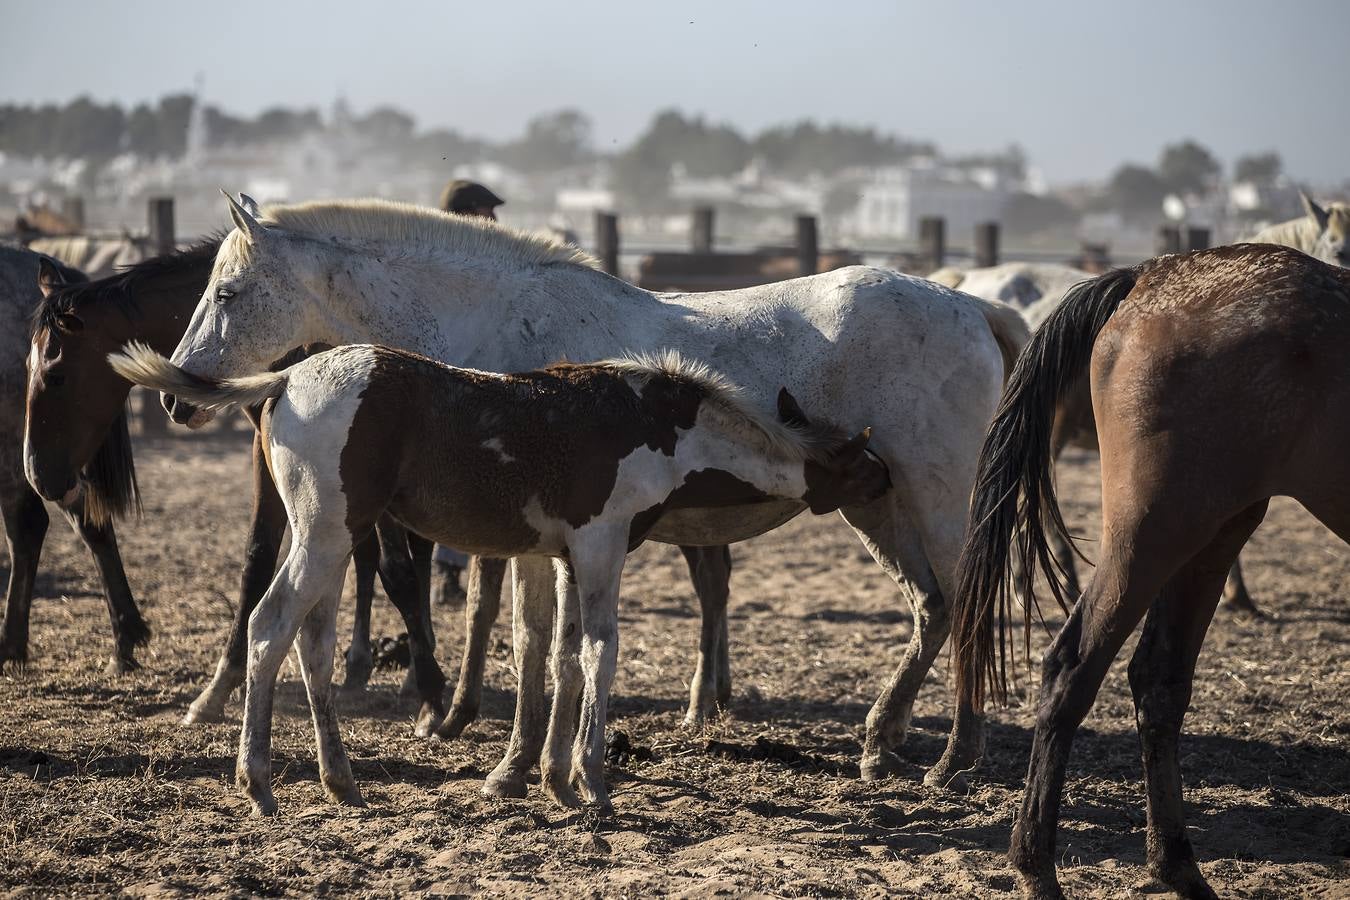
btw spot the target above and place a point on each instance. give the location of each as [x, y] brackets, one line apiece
[223, 294]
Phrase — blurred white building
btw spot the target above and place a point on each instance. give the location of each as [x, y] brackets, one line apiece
[897, 197]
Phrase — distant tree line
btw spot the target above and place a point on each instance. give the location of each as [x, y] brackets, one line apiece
[1137, 191]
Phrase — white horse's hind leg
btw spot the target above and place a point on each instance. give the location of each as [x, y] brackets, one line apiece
[598, 564]
[555, 768]
[894, 542]
[318, 641]
[532, 606]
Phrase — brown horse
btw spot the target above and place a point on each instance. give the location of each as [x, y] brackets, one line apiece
[1219, 379]
[77, 445]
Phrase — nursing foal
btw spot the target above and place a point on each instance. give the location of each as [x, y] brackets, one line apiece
[575, 462]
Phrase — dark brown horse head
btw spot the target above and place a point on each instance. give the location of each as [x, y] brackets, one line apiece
[845, 472]
[76, 429]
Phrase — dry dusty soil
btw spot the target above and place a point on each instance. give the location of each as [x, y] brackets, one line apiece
[101, 789]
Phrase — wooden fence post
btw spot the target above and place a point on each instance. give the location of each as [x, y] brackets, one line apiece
[607, 241]
[1169, 239]
[160, 214]
[932, 242]
[72, 208]
[701, 230]
[986, 245]
[808, 250]
[1197, 238]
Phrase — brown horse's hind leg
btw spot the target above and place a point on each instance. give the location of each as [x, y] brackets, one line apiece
[710, 687]
[1135, 562]
[1161, 675]
[481, 609]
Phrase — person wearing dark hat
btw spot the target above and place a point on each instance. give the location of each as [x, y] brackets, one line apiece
[465, 198]
[469, 198]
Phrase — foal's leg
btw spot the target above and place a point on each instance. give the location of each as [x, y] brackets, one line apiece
[1161, 674]
[26, 522]
[598, 562]
[401, 585]
[419, 550]
[359, 657]
[266, 531]
[318, 639]
[309, 576]
[555, 767]
[480, 614]
[710, 688]
[894, 543]
[129, 628]
[534, 598]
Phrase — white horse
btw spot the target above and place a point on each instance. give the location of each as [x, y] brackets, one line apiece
[1321, 233]
[921, 363]
[1018, 284]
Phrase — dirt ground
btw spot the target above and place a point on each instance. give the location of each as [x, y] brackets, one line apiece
[101, 790]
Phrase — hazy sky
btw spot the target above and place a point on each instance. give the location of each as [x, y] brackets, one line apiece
[1081, 85]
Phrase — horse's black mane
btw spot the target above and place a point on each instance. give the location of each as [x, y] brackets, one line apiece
[119, 287]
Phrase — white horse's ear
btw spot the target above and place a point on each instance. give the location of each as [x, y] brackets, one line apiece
[251, 205]
[243, 218]
[1315, 212]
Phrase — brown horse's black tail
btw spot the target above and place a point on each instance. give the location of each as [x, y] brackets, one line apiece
[1014, 494]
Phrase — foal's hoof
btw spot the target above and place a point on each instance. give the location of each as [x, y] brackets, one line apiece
[558, 788]
[505, 786]
[1044, 887]
[264, 806]
[879, 764]
[344, 793]
[950, 773]
[428, 717]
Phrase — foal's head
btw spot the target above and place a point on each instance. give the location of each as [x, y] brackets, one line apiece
[1333, 228]
[841, 471]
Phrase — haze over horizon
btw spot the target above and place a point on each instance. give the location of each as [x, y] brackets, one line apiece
[1081, 87]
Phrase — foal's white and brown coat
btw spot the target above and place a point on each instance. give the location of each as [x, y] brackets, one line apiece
[575, 462]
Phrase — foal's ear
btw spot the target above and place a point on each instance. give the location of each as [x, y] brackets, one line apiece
[788, 411]
[50, 276]
[1315, 212]
[243, 219]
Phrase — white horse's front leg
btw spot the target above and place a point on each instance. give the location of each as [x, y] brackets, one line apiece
[555, 768]
[532, 606]
[598, 564]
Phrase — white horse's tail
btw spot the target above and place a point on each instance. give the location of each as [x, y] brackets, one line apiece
[139, 364]
[1010, 329]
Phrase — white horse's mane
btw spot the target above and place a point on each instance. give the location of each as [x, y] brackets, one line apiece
[413, 227]
[804, 442]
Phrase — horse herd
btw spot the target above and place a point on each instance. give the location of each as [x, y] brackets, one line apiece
[367, 339]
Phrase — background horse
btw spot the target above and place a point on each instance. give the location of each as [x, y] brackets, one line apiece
[75, 442]
[920, 362]
[110, 481]
[577, 463]
[1219, 379]
[1321, 233]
